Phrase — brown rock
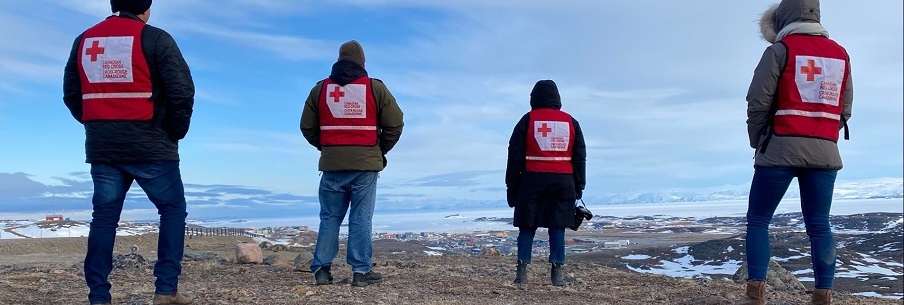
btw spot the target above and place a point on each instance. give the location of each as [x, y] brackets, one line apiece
[489, 251]
[303, 261]
[273, 259]
[248, 253]
[777, 278]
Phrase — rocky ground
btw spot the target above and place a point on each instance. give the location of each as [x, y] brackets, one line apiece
[48, 271]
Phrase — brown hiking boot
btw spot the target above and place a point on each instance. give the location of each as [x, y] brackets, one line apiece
[755, 295]
[177, 298]
[821, 297]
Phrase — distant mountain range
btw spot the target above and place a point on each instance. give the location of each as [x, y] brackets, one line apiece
[861, 189]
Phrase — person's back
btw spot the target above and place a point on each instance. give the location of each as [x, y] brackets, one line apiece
[128, 84]
[545, 174]
[354, 121]
[799, 99]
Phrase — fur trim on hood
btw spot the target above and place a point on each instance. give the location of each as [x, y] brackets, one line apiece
[779, 16]
[767, 31]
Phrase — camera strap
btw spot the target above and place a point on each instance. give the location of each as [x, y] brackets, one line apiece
[582, 203]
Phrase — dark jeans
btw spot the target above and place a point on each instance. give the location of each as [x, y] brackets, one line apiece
[766, 191]
[556, 245]
[162, 183]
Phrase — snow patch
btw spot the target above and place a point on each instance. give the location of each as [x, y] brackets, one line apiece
[895, 296]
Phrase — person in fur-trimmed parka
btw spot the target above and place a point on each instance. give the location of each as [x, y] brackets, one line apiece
[798, 101]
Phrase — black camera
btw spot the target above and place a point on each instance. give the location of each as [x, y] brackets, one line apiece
[580, 214]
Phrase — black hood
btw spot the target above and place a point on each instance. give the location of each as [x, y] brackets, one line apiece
[545, 95]
[346, 71]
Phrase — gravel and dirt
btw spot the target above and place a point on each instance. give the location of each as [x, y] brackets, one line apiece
[48, 271]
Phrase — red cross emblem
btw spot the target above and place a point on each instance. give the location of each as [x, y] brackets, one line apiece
[336, 94]
[810, 70]
[543, 130]
[94, 50]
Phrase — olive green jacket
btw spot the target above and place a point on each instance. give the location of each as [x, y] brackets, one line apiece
[355, 158]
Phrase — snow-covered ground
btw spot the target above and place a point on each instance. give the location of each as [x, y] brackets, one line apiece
[15, 229]
[417, 221]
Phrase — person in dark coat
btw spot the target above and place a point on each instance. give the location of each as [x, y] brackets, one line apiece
[546, 173]
[128, 85]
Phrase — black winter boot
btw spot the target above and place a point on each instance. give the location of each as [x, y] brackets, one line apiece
[521, 273]
[364, 279]
[323, 277]
[555, 275]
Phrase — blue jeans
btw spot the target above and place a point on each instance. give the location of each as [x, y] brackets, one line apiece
[766, 191]
[556, 245]
[338, 191]
[162, 182]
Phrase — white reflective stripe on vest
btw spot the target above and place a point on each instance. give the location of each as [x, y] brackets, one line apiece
[812, 114]
[348, 127]
[87, 96]
[548, 158]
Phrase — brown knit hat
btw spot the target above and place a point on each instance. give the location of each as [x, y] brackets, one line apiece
[353, 51]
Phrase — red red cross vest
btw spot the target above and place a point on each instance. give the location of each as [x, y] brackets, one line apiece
[115, 78]
[348, 114]
[550, 140]
[811, 88]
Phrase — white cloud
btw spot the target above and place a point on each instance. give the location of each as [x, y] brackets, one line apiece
[658, 86]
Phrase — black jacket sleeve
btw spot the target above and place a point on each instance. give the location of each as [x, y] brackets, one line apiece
[516, 148]
[72, 83]
[579, 158]
[175, 80]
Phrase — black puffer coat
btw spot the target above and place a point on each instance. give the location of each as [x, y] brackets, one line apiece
[544, 199]
[172, 93]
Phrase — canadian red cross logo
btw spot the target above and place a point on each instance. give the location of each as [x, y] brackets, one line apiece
[336, 94]
[94, 50]
[810, 70]
[543, 130]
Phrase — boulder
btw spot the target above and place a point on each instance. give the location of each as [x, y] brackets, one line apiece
[248, 253]
[303, 261]
[777, 278]
[273, 259]
[279, 247]
[130, 261]
[489, 251]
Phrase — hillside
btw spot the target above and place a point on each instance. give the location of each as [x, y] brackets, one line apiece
[48, 271]
[879, 188]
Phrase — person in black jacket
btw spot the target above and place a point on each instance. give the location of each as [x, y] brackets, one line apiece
[127, 83]
[546, 173]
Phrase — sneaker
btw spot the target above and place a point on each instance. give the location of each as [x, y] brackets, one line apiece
[323, 277]
[364, 279]
[176, 298]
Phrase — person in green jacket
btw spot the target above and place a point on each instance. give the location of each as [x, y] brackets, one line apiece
[353, 121]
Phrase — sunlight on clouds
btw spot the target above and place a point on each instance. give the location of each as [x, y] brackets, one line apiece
[659, 104]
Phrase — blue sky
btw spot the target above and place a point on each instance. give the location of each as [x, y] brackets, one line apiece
[658, 87]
